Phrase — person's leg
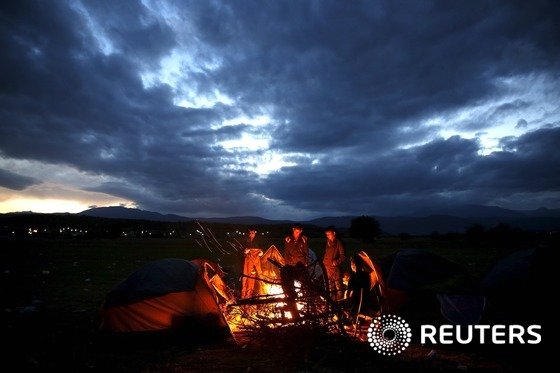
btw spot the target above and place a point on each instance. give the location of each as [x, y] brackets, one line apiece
[338, 285]
[247, 285]
[331, 282]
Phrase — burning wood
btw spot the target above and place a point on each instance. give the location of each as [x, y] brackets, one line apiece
[284, 295]
[295, 298]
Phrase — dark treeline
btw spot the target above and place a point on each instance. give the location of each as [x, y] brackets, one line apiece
[364, 228]
[71, 225]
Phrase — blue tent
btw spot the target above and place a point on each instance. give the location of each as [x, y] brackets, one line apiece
[427, 279]
[163, 295]
[516, 286]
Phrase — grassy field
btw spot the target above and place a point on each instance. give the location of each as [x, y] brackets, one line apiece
[52, 290]
[77, 273]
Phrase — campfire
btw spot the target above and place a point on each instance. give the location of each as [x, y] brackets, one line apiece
[291, 297]
[284, 295]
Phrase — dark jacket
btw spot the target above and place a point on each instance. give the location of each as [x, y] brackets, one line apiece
[334, 253]
[296, 250]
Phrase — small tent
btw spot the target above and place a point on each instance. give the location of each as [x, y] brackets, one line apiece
[421, 280]
[271, 268]
[518, 271]
[516, 286]
[164, 294]
[413, 269]
[366, 286]
[214, 275]
[272, 260]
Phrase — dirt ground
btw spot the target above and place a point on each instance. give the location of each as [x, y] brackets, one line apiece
[68, 340]
[52, 290]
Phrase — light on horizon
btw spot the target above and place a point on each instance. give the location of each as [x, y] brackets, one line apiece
[39, 205]
[47, 205]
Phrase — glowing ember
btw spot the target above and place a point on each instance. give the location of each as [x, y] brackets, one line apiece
[272, 289]
[267, 309]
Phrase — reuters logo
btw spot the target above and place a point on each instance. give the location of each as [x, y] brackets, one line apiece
[389, 334]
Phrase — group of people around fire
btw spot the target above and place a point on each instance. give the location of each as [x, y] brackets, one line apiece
[352, 287]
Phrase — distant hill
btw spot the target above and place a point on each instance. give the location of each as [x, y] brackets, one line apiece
[119, 212]
[544, 212]
[337, 221]
[442, 220]
[246, 220]
[424, 225]
[469, 211]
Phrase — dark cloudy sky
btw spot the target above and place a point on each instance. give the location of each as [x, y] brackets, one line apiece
[281, 109]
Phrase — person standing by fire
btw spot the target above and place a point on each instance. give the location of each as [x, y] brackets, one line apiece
[296, 249]
[296, 257]
[333, 259]
[251, 265]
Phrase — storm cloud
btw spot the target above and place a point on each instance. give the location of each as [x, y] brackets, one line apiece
[284, 109]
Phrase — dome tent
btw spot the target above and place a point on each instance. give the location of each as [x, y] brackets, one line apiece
[421, 280]
[164, 294]
[517, 286]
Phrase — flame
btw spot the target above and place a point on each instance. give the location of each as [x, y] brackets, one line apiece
[272, 289]
[240, 316]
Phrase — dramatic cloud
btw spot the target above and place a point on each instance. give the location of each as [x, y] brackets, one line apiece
[14, 181]
[283, 109]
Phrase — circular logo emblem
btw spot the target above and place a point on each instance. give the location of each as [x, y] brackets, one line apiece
[389, 334]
